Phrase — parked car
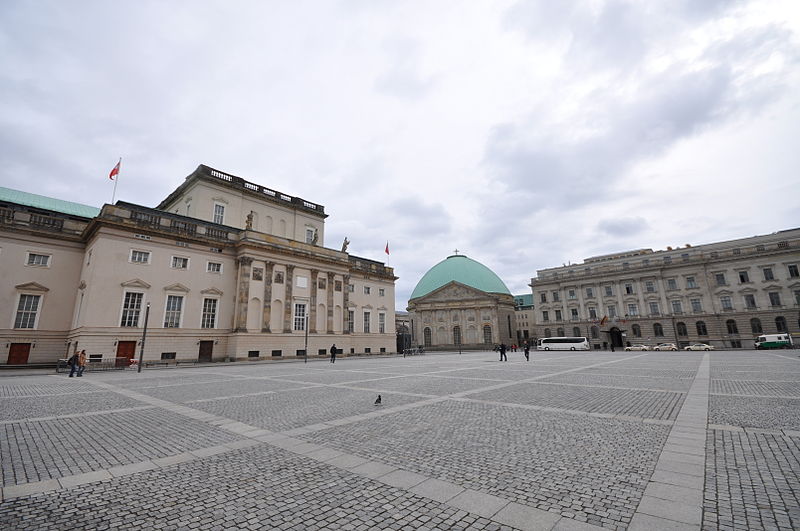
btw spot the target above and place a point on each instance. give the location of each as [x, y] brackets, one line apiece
[665, 346]
[699, 346]
[637, 347]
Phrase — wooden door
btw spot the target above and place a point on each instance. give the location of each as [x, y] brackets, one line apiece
[206, 350]
[126, 350]
[18, 353]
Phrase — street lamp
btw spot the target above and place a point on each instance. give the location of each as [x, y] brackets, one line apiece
[144, 335]
[305, 349]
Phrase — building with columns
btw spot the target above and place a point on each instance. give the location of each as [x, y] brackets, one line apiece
[461, 303]
[223, 268]
[724, 294]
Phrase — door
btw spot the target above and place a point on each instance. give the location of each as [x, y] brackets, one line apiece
[206, 349]
[18, 353]
[126, 350]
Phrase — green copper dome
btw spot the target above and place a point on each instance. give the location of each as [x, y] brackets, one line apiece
[461, 269]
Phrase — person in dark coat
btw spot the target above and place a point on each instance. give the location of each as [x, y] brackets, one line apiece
[527, 352]
[73, 364]
[333, 353]
[503, 356]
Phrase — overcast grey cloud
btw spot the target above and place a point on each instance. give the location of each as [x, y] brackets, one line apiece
[526, 134]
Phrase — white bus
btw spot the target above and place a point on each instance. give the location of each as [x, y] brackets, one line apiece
[562, 343]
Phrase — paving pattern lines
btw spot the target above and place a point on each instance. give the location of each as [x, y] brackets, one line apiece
[591, 470]
[770, 413]
[19, 408]
[37, 451]
[622, 381]
[26, 386]
[752, 481]
[258, 488]
[219, 389]
[756, 387]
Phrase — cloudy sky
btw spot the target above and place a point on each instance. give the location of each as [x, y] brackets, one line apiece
[526, 134]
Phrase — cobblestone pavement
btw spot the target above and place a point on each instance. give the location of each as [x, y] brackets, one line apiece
[569, 441]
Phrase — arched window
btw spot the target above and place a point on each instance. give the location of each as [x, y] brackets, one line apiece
[456, 335]
[755, 326]
[780, 324]
[658, 330]
[701, 328]
[732, 328]
[596, 332]
[637, 330]
[576, 331]
[681, 329]
[426, 334]
[547, 332]
[560, 332]
[487, 334]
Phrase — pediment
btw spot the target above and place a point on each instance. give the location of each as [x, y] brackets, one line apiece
[135, 283]
[748, 290]
[772, 287]
[212, 291]
[794, 285]
[382, 308]
[177, 287]
[723, 292]
[454, 291]
[31, 286]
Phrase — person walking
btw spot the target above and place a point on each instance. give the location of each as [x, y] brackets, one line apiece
[81, 363]
[73, 364]
[527, 350]
[333, 353]
[503, 356]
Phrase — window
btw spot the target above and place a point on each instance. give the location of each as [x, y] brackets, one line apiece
[612, 311]
[672, 284]
[309, 235]
[755, 326]
[637, 330]
[780, 324]
[366, 322]
[140, 257]
[351, 321]
[131, 308]
[797, 297]
[456, 335]
[299, 316]
[726, 303]
[768, 274]
[658, 330]
[730, 324]
[168, 355]
[573, 314]
[592, 313]
[337, 285]
[774, 298]
[596, 332]
[547, 332]
[650, 286]
[793, 272]
[487, 334]
[172, 316]
[571, 294]
[609, 291]
[366, 290]
[214, 267]
[654, 309]
[556, 296]
[426, 335]
[589, 293]
[576, 331]
[560, 332]
[677, 307]
[381, 292]
[543, 297]
[720, 279]
[258, 273]
[209, 318]
[750, 301]
[381, 323]
[41, 260]
[681, 329]
[691, 282]
[697, 305]
[545, 316]
[351, 288]
[744, 277]
[628, 289]
[667, 259]
[219, 214]
[701, 328]
[179, 262]
[27, 310]
[633, 310]
[558, 315]
[279, 277]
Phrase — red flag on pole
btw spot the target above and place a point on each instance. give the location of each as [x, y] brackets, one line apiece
[387, 248]
[115, 170]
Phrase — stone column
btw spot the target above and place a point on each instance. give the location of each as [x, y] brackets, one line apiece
[312, 314]
[331, 282]
[268, 273]
[242, 293]
[288, 306]
[345, 303]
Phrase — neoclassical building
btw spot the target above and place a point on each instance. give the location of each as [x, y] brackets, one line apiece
[724, 294]
[462, 303]
[223, 268]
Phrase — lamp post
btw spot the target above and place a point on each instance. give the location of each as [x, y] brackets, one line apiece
[305, 348]
[144, 335]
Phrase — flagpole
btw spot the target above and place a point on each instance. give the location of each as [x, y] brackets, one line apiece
[116, 178]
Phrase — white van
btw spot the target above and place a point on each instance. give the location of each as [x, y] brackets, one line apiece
[774, 341]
